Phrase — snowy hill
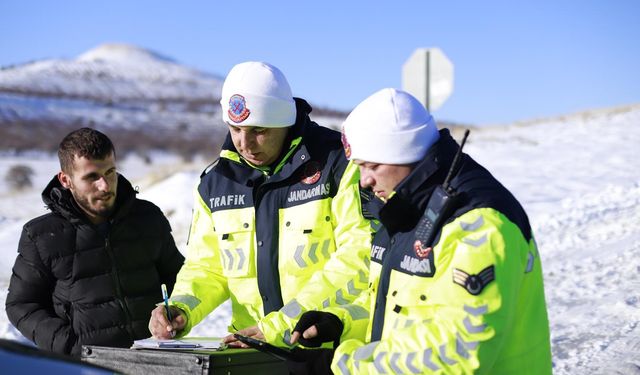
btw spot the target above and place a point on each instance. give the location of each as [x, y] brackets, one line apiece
[112, 73]
[144, 100]
[577, 177]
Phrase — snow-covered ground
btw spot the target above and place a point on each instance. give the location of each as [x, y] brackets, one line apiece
[577, 176]
[579, 179]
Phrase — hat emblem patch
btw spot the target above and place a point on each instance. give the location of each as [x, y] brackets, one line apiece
[238, 110]
[345, 144]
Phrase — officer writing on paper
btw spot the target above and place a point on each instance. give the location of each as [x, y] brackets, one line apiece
[277, 223]
[456, 281]
[89, 272]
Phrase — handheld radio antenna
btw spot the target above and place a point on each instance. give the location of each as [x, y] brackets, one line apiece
[456, 159]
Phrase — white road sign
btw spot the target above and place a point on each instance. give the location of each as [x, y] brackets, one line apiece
[428, 75]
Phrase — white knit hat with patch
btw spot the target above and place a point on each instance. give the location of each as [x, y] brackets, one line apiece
[257, 94]
[389, 127]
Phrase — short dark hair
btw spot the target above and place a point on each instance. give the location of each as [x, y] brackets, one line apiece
[84, 142]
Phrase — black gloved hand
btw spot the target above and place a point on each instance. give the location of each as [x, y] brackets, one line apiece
[328, 325]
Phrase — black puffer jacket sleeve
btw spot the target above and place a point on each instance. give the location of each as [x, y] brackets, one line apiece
[29, 304]
[170, 260]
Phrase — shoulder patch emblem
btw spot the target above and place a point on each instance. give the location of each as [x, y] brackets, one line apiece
[420, 250]
[474, 284]
[238, 110]
[311, 173]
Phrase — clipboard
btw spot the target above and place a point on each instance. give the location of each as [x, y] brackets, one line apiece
[186, 343]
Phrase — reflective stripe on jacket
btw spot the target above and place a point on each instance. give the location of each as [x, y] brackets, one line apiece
[277, 244]
[474, 303]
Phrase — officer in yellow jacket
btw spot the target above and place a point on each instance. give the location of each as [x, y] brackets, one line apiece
[277, 224]
[456, 282]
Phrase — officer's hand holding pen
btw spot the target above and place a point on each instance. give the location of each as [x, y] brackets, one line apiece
[166, 320]
[161, 328]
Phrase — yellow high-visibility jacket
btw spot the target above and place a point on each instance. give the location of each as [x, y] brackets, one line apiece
[472, 303]
[277, 243]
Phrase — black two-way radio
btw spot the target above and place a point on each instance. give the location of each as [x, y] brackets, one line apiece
[442, 201]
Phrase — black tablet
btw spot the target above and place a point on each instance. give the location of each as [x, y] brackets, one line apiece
[281, 353]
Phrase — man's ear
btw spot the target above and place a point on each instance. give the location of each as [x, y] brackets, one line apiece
[65, 180]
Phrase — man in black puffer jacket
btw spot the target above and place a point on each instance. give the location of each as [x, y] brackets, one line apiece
[89, 272]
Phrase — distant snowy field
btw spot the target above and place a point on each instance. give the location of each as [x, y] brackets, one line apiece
[577, 176]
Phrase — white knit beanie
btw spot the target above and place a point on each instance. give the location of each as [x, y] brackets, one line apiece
[257, 94]
[389, 127]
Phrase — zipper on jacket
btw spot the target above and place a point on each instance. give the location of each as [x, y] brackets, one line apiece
[268, 274]
[259, 191]
[119, 294]
[381, 297]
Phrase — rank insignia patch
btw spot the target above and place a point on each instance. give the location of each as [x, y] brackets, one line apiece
[238, 110]
[474, 284]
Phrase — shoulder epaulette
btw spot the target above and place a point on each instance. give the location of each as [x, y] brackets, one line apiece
[209, 168]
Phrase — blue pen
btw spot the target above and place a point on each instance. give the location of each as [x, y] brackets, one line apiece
[165, 296]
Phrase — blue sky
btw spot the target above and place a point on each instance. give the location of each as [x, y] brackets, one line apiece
[513, 60]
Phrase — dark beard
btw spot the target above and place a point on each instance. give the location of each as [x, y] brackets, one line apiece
[83, 204]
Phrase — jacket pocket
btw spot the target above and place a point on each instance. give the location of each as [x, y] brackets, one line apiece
[68, 312]
[306, 237]
[408, 299]
[235, 230]
[63, 309]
